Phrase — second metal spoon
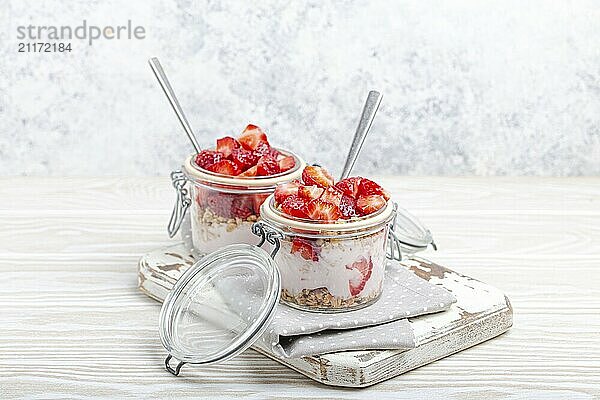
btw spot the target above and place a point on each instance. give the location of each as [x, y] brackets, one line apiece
[366, 120]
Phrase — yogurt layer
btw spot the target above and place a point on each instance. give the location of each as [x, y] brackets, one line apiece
[333, 270]
[208, 237]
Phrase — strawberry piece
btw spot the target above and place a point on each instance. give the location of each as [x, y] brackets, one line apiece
[242, 212]
[244, 158]
[367, 187]
[225, 167]
[218, 203]
[306, 248]
[332, 195]
[349, 186]
[364, 268]
[369, 204]
[264, 149]
[267, 165]
[252, 171]
[320, 210]
[285, 190]
[252, 136]
[202, 195]
[348, 207]
[294, 206]
[310, 192]
[258, 200]
[226, 145]
[287, 163]
[313, 175]
[206, 158]
[242, 206]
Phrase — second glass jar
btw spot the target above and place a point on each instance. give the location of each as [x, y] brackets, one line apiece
[330, 267]
[222, 208]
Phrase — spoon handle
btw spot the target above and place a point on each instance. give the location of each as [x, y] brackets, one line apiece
[366, 119]
[166, 87]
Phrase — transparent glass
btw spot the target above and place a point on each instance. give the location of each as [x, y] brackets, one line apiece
[221, 216]
[412, 235]
[220, 306]
[329, 270]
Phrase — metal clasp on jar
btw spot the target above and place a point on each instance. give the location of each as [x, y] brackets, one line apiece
[182, 203]
[395, 251]
[268, 233]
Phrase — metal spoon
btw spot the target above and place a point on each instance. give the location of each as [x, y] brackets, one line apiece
[366, 119]
[166, 87]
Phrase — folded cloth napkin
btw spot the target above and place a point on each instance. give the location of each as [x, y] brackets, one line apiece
[382, 325]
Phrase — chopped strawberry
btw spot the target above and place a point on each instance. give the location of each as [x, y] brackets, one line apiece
[294, 206]
[332, 195]
[368, 187]
[349, 186]
[226, 144]
[320, 210]
[264, 149]
[242, 206]
[206, 158]
[202, 195]
[313, 175]
[245, 152]
[252, 136]
[285, 190]
[244, 158]
[348, 207]
[307, 249]
[267, 165]
[310, 192]
[258, 200]
[287, 163]
[369, 204]
[219, 203]
[252, 171]
[364, 268]
[225, 167]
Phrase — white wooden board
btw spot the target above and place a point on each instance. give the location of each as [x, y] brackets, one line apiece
[480, 313]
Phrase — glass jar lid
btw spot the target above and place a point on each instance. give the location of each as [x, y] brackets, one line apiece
[220, 306]
[412, 235]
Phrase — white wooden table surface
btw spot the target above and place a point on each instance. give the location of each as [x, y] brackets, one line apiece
[73, 324]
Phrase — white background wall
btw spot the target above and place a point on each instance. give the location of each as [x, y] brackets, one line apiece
[470, 87]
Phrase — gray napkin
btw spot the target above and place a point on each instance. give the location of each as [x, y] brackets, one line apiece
[294, 333]
[383, 325]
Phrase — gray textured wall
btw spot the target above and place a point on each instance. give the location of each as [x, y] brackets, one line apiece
[485, 88]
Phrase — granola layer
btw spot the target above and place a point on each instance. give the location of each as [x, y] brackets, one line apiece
[208, 217]
[320, 298]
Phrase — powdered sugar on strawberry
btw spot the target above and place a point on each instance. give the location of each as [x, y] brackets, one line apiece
[249, 155]
[320, 198]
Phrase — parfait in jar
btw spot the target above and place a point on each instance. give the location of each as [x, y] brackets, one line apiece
[333, 240]
[228, 184]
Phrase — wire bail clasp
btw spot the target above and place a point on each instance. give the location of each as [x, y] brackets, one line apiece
[182, 203]
[268, 233]
[394, 252]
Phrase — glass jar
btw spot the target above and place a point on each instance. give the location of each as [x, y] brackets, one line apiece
[223, 207]
[224, 302]
[331, 266]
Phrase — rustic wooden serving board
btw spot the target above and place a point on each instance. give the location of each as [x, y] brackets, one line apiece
[480, 313]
